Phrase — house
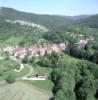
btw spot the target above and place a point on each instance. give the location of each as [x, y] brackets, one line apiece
[33, 51]
[9, 48]
[42, 51]
[91, 38]
[55, 47]
[19, 52]
[21, 55]
[49, 49]
[41, 75]
[82, 43]
[62, 46]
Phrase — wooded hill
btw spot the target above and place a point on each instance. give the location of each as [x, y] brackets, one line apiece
[49, 21]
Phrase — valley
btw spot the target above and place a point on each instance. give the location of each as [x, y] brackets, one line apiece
[48, 57]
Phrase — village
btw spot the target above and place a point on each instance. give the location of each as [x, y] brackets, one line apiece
[34, 50]
[18, 53]
[48, 50]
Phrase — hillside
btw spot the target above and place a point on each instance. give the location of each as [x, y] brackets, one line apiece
[49, 21]
[46, 20]
[91, 21]
[14, 33]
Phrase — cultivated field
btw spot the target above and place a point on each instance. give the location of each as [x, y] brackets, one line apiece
[22, 91]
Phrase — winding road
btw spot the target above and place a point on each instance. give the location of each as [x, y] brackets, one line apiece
[26, 77]
[30, 71]
[25, 65]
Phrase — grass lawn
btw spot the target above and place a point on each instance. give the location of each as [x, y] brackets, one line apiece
[22, 91]
[23, 72]
[46, 85]
[9, 65]
[42, 84]
[14, 40]
[2, 44]
[6, 66]
[40, 69]
[70, 59]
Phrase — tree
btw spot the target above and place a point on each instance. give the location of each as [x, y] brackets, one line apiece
[6, 55]
[60, 95]
[95, 57]
[32, 59]
[22, 43]
[11, 78]
[25, 60]
[63, 82]
[74, 81]
[85, 87]
[1, 72]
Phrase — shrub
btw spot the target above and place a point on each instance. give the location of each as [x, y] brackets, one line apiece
[1, 72]
[11, 78]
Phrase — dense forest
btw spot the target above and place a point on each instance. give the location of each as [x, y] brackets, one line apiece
[91, 21]
[74, 81]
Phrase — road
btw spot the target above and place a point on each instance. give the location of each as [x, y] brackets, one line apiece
[26, 77]
[25, 65]
[30, 71]
[15, 59]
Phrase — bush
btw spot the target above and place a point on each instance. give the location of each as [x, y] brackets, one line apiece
[1, 72]
[11, 78]
[18, 67]
[25, 60]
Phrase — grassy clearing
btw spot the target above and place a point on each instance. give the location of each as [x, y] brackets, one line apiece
[42, 84]
[70, 59]
[6, 66]
[21, 91]
[40, 69]
[23, 72]
[46, 85]
[15, 40]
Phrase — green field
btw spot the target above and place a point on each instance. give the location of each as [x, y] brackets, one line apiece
[23, 72]
[46, 85]
[7, 66]
[40, 69]
[42, 84]
[21, 91]
[70, 59]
